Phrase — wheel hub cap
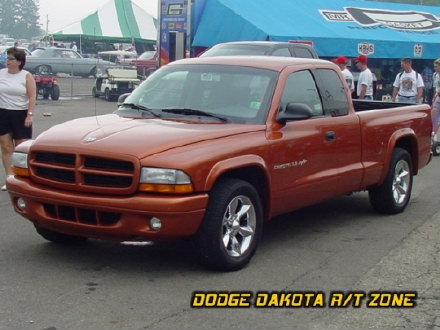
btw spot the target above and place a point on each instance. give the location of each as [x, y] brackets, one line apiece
[239, 223]
[401, 182]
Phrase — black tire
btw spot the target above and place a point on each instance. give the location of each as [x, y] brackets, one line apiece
[55, 92]
[59, 238]
[436, 148]
[94, 94]
[43, 69]
[232, 227]
[393, 195]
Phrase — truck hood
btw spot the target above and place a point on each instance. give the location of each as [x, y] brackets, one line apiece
[134, 136]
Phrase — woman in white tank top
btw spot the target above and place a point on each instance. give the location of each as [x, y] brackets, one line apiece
[17, 104]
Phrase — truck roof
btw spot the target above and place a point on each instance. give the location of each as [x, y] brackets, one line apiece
[276, 63]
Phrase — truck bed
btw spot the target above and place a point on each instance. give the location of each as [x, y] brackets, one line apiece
[362, 105]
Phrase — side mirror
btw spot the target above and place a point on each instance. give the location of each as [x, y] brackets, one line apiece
[122, 98]
[295, 111]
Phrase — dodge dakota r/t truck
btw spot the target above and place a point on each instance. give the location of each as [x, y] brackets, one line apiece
[209, 148]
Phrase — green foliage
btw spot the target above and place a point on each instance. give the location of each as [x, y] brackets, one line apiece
[19, 18]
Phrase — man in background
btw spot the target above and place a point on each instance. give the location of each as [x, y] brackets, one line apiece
[364, 90]
[408, 85]
[74, 47]
[342, 61]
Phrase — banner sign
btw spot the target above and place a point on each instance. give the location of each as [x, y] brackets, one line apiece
[393, 19]
[173, 18]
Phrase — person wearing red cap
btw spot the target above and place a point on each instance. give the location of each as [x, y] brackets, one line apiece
[365, 82]
[342, 61]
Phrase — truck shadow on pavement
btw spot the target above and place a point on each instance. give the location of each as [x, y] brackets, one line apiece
[288, 231]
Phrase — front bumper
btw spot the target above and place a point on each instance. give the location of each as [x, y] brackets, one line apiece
[117, 218]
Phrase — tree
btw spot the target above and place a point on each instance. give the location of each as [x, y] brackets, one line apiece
[19, 18]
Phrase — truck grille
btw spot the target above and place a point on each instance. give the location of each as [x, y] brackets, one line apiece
[81, 215]
[83, 172]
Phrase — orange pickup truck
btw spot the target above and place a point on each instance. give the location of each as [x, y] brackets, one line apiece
[210, 148]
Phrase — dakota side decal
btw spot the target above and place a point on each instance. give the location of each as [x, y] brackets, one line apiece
[291, 164]
[394, 19]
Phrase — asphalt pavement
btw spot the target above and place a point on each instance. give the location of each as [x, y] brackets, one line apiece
[412, 265]
[75, 86]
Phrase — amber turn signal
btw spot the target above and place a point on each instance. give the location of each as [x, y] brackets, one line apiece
[167, 188]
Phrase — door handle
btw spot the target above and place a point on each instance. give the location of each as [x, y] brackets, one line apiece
[330, 135]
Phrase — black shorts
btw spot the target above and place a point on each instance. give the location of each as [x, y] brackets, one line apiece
[12, 121]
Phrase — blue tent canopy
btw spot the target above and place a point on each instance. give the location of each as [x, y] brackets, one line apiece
[337, 27]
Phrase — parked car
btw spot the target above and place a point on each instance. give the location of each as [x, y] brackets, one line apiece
[117, 81]
[146, 63]
[3, 55]
[121, 57]
[273, 48]
[63, 60]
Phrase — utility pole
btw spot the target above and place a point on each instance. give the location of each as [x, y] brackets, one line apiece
[47, 31]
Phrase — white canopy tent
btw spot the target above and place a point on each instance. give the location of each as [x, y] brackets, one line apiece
[117, 21]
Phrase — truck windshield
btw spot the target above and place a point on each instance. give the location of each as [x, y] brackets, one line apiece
[208, 92]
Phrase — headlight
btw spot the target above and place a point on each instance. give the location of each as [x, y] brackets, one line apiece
[20, 163]
[165, 180]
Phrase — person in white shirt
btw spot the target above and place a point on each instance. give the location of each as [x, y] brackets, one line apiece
[18, 95]
[74, 47]
[342, 61]
[364, 88]
[408, 85]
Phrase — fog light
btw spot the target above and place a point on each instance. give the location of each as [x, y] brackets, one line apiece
[21, 204]
[155, 223]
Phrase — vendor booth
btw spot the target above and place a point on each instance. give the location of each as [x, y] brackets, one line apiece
[337, 27]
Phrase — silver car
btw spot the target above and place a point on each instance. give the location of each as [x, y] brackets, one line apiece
[64, 60]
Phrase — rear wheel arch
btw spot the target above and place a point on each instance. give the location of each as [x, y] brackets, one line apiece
[405, 139]
[93, 72]
[409, 143]
[393, 195]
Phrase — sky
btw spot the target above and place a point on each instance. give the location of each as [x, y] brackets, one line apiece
[62, 13]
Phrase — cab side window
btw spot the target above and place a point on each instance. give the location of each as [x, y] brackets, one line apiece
[332, 92]
[301, 88]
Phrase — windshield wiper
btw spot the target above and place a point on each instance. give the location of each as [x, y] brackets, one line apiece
[193, 112]
[142, 108]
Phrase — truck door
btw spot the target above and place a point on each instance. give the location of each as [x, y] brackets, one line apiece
[316, 158]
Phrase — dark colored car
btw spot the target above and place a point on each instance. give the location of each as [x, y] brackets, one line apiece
[273, 48]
